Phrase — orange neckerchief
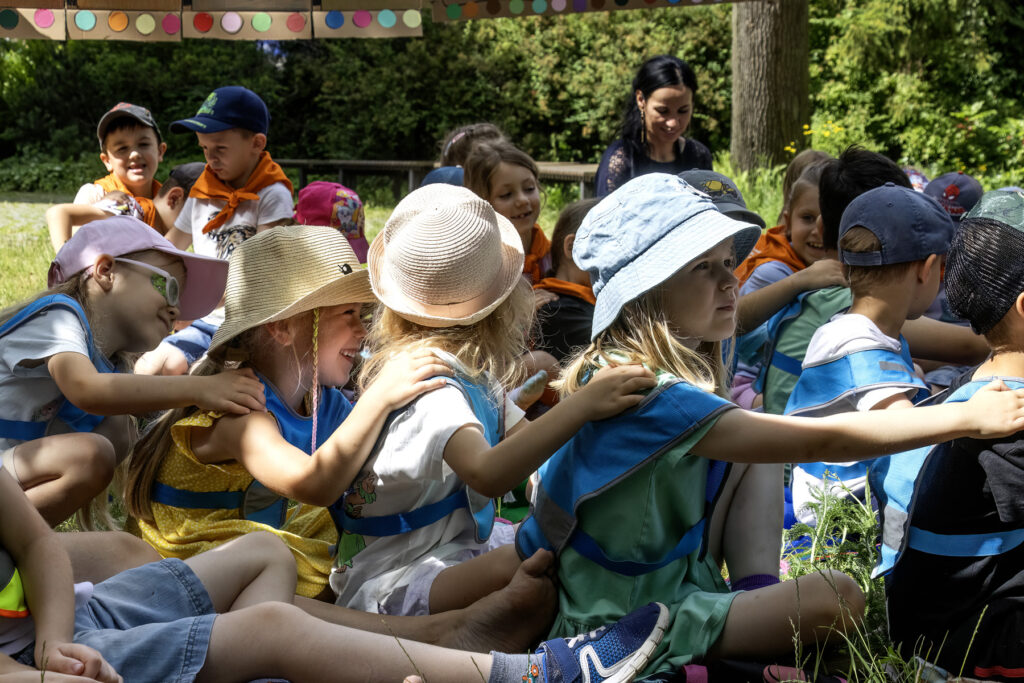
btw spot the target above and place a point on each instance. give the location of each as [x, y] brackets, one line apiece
[209, 186]
[557, 286]
[540, 245]
[773, 246]
[112, 183]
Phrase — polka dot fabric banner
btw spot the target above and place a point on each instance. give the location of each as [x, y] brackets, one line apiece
[28, 23]
[142, 25]
[233, 25]
[362, 23]
[462, 10]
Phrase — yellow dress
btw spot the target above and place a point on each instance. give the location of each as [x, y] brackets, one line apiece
[184, 532]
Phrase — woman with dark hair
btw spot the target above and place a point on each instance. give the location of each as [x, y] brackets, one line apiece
[657, 113]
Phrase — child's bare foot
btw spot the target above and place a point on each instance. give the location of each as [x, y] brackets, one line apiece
[513, 619]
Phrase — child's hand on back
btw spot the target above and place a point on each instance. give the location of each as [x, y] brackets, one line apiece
[405, 376]
[231, 391]
[613, 389]
[820, 274]
[996, 410]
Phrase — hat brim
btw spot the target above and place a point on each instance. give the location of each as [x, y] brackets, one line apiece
[388, 289]
[739, 213]
[200, 124]
[205, 279]
[351, 289]
[665, 257]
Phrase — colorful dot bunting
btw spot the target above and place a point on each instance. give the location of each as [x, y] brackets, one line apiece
[142, 25]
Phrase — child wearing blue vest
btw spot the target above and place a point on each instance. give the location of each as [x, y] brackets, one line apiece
[66, 399]
[953, 525]
[892, 242]
[229, 615]
[447, 269]
[645, 506]
[200, 477]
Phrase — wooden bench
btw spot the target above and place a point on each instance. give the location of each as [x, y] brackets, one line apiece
[414, 171]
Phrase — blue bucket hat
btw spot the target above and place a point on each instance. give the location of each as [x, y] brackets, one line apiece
[229, 107]
[642, 233]
[910, 225]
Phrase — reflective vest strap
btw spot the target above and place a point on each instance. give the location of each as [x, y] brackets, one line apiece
[586, 546]
[403, 522]
[209, 500]
[964, 545]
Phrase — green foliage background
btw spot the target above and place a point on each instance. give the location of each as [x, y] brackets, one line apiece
[934, 83]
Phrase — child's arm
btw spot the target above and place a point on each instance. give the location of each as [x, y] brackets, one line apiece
[946, 342]
[256, 442]
[756, 307]
[744, 436]
[118, 393]
[47, 579]
[495, 471]
[60, 219]
[179, 238]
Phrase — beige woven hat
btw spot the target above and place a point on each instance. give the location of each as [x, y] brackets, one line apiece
[286, 270]
[445, 258]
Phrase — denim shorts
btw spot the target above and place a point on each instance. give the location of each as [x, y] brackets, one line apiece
[193, 341]
[152, 623]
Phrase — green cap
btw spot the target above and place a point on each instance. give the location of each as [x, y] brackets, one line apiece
[1005, 206]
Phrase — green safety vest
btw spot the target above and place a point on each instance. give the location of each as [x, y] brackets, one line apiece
[12, 595]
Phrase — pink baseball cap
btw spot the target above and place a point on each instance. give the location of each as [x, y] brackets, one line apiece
[205, 277]
[334, 205]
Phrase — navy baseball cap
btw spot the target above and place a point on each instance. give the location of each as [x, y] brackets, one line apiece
[449, 175]
[724, 193]
[956, 192]
[229, 107]
[126, 110]
[910, 226]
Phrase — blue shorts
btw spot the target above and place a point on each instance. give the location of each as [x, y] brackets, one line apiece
[193, 341]
[152, 623]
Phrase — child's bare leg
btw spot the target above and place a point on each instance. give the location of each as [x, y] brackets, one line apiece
[465, 583]
[98, 555]
[746, 528]
[762, 623]
[251, 569]
[511, 619]
[275, 639]
[62, 473]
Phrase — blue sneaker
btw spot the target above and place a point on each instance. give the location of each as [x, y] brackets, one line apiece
[612, 654]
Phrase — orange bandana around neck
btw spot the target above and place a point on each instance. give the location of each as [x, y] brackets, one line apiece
[540, 245]
[557, 286]
[209, 186]
[111, 183]
[773, 246]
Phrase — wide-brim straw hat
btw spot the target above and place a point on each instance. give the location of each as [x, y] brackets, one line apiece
[287, 270]
[445, 258]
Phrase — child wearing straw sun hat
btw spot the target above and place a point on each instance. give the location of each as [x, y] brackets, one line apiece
[293, 313]
[448, 272]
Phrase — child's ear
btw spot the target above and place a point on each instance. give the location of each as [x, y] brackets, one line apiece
[925, 267]
[106, 162]
[567, 245]
[175, 198]
[280, 332]
[1018, 305]
[163, 150]
[785, 221]
[103, 271]
[259, 141]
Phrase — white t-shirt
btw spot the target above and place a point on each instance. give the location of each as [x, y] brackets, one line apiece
[274, 204]
[90, 193]
[843, 334]
[27, 391]
[406, 473]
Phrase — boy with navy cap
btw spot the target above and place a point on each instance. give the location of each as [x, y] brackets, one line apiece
[956, 588]
[240, 192]
[892, 243]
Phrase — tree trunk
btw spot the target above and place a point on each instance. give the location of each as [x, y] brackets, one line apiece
[769, 80]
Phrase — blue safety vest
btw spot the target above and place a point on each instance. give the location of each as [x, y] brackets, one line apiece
[74, 417]
[834, 386]
[257, 503]
[895, 480]
[604, 453]
[490, 411]
[778, 345]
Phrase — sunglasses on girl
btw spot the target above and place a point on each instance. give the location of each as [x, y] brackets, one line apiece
[162, 281]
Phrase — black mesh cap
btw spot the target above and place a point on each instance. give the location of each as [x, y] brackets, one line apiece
[984, 271]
